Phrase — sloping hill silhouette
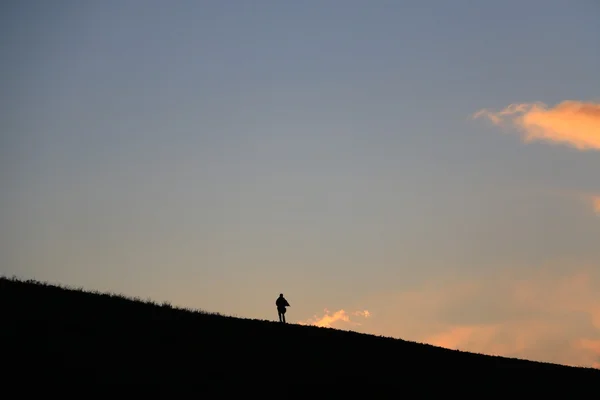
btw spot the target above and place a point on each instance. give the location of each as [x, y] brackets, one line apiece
[69, 336]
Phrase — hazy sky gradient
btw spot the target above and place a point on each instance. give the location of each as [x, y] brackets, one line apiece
[217, 153]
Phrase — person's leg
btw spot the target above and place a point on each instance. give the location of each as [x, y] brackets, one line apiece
[279, 312]
[283, 316]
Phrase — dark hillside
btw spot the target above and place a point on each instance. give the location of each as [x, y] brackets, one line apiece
[67, 336]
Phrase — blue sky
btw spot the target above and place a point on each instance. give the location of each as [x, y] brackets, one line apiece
[217, 153]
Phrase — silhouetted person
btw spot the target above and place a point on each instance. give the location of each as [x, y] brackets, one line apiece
[281, 304]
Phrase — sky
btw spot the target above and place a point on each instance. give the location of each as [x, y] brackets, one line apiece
[425, 170]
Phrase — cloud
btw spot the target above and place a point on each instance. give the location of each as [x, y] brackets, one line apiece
[573, 123]
[591, 200]
[596, 204]
[548, 315]
[328, 319]
[594, 347]
[364, 313]
[480, 339]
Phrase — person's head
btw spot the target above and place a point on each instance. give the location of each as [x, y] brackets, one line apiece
[280, 294]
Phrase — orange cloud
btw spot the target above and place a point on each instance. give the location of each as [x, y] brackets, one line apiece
[596, 204]
[591, 200]
[571, 122]
[364, 313]
[594, 347]
[467, 336]
[328, 319]
[503, 339]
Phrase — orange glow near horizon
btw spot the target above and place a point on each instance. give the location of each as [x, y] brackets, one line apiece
[522, 317]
